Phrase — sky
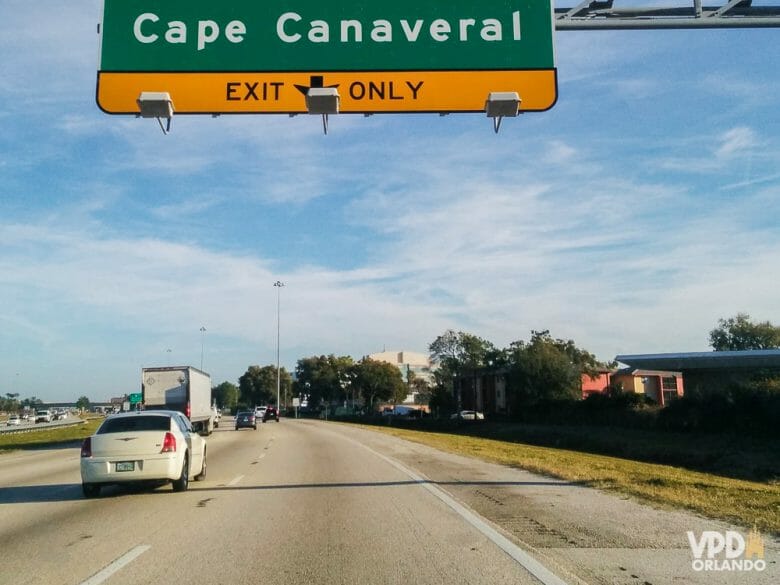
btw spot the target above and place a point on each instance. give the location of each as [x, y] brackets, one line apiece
[630, 217]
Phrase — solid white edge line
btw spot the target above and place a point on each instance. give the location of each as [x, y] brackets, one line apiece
[235, 480]
[533, 566]
[118, 564]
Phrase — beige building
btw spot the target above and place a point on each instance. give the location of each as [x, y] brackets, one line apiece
[418, 364]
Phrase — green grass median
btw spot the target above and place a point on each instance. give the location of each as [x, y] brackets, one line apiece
[48, 437]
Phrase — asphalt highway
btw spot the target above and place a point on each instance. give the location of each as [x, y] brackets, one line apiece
[310, 502]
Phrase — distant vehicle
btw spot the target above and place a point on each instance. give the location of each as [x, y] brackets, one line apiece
[246, 420]
[468, 415]
[181, 388]
[217, 415]
[260, 412]
[43, 416]
[140, 447]
[13, 420]
[402, 411]
[271, 413]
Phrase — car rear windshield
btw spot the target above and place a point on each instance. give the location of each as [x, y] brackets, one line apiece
[135, 423]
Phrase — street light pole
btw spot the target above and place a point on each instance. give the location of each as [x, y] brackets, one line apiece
[278, 284]
[202, 344]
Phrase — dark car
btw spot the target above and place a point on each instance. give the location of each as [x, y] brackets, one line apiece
[271, 413]
[246, 420]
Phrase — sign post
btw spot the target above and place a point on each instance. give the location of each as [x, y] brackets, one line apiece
[244, 56]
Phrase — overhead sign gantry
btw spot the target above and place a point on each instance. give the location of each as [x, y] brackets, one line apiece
[245, 56]
[654, 14]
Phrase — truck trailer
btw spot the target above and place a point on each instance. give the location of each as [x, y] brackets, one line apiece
[181, 388]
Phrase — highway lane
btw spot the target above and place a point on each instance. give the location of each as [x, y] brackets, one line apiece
[290, 502]
[313, 502]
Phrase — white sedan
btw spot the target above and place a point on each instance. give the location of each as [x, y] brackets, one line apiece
[468, 415]
[142, 446]
[13, 420]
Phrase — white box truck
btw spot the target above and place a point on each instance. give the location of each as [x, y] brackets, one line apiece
[181, 388]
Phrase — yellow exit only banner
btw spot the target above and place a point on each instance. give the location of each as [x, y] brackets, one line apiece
[360, 92]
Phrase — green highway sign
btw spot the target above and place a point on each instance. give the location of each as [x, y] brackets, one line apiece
[135, 398]
[273, 42]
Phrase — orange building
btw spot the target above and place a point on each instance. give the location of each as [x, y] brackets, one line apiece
[660, 386]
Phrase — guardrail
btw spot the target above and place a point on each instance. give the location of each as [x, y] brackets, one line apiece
[33, 427]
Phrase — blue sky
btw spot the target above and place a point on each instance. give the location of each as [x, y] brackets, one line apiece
[631, 217]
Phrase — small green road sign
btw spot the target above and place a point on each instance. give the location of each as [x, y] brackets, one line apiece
[135, 398]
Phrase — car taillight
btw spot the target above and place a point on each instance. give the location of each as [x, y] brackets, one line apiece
[86, 447]
[169, 443]
[187, 410]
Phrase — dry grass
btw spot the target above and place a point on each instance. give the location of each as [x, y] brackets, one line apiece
[748, 503]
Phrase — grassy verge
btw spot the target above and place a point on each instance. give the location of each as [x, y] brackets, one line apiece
[748, 503]
[54, 437]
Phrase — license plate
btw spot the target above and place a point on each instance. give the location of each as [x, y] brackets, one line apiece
[125, 465]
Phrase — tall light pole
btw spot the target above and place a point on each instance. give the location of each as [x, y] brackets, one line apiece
[278, 284]
[202, 345]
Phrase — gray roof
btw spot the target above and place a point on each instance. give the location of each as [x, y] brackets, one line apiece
[706, 360]
[640, 372]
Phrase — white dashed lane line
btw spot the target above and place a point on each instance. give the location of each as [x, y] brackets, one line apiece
[117, 565]
[235, 480]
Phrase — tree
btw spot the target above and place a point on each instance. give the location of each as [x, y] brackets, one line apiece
[257, 385]
[378, 381]
[548, 369]
[441, 401]
[740, 333]
[225, 395]
[457, 352]
[419, 387]
[82, 403]
[10, 403]
[323, 378]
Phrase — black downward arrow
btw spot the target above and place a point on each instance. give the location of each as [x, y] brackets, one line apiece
[314, 81]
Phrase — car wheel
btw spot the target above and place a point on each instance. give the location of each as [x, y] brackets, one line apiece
[181, 484]
[90, 490]
[202, 475]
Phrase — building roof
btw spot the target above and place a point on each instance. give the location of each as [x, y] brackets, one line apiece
[640, 372]
[708, 360]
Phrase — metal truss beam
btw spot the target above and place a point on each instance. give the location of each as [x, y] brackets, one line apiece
[604, 15]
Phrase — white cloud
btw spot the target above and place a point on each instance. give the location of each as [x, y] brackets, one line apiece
[736, 141]
[629, 218]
